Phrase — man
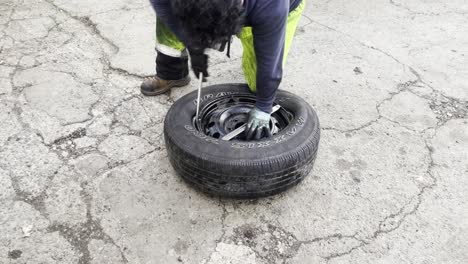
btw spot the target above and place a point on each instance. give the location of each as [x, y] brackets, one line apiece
[265, 27]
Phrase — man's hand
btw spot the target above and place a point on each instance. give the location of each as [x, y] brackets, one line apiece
[258, 124]
[199, 62]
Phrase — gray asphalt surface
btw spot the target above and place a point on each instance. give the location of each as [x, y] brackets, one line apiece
[84, 176]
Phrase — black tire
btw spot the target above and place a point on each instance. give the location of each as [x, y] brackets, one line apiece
[240, 169]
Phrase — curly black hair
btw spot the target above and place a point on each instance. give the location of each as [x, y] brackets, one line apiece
[208, 22]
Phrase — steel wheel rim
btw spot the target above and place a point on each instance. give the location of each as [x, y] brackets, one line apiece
[224, 114]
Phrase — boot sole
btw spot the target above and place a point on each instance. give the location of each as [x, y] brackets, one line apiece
[178, 83]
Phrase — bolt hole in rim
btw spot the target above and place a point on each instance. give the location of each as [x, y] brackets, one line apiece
[223, 115]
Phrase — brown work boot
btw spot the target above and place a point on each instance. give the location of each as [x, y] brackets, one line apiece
[152, 86]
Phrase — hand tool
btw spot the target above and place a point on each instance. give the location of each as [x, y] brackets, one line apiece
[200, 77]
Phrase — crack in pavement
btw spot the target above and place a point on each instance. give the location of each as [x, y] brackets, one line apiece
[399, 217]
[122, 9]
[223, 227]
[405, 86]
[413, 71]
[86, 21]
[413, 12]
[401, 87]
[392, 2]
[80, 236]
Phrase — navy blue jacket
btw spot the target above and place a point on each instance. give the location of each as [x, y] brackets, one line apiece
[268, 19]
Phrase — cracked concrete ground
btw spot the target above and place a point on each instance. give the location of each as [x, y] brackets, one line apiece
[84, 176]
